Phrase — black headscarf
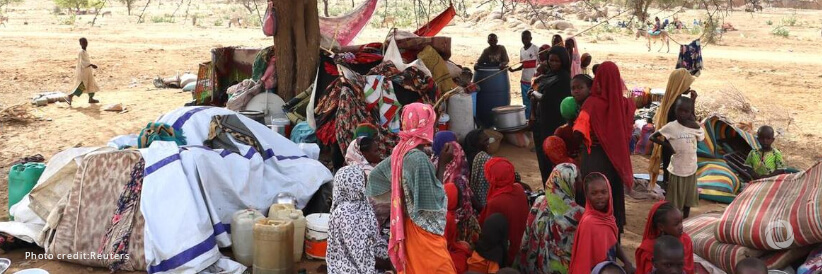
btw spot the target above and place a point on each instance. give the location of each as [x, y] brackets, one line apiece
[493, 241]
[471, 145]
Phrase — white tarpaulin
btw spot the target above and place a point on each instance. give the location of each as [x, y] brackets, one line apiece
[194, 190]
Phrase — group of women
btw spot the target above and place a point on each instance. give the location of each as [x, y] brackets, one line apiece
[441, 206]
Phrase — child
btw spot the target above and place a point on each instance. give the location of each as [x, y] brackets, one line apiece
[528, 55]
[608, 267]
[596, 239]
[594, 69]
[84, 76]
[669, 256]
[586, 61]
[491, 250]
[681, 137]
[751, 266]
[663, 221]
[768, 161]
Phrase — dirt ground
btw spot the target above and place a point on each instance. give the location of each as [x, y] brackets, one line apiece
[778, 78]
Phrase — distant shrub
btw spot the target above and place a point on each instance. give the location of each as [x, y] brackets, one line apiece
[162, 19]
[218, 23]
[790, 21]
[68, 20]
[769, 22]
[781, 31]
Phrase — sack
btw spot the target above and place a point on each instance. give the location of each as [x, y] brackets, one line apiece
[270, 22]
[520, 139]
[725, 256]
[758, 214]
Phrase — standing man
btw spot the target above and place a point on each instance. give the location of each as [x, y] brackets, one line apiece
[84, 75]
[528, 54]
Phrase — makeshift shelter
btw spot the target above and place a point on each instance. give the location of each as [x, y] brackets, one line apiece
[717, 179]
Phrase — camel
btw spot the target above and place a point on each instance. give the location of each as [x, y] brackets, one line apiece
[389, 21]
[662, 36]
[106, 13]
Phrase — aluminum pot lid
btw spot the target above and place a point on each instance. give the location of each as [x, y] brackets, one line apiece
[508, 109]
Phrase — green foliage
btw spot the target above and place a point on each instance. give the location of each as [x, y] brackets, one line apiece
[781, 31]
[790, 21]
[4, 3]
[68, 20]
[218, 23]
[73, 4]
[695, 31]
[253, 21]
[769, 23]
[167, 18]
[711, 29]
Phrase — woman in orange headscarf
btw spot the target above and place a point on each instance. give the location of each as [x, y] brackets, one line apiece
[508, 198]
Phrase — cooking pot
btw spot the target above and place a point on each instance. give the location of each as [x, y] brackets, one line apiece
[509, 118]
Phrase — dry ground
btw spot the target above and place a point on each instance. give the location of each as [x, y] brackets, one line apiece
[778, 77]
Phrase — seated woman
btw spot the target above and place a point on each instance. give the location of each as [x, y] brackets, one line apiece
[353, 235]
[549, 234]
[476, 152]
[459, 250]
[663, 219]
[363, 152]
[456, 172]
[596, 237]
[508, 198]
[491, 251]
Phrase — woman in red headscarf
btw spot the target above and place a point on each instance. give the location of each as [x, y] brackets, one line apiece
[604, 125]
[596, 239]
[663, 219]
[507, 198]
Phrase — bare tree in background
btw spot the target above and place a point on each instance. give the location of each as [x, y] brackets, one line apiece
[325, 7]
[247, 4]
[129, 4]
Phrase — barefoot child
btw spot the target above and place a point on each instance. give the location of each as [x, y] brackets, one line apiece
[751, 266]
[681, 137]
[663, 221]
[596, 239]
[765, 162]
[84, 76]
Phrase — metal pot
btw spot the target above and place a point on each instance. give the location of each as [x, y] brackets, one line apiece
[509, 117]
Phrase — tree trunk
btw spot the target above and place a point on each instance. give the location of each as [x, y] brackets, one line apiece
[128, 7]
[325, 8]
[140, 19]
[296, 45]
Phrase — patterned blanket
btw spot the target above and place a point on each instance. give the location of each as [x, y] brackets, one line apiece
[716, 179]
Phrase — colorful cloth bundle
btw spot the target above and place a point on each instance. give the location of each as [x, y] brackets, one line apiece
[716, 181]
[724, 256]
[690, 57]
[162, 132]
[794, 200]
[379, 94]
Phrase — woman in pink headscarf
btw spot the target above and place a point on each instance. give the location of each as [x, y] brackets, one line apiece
[418, 201]
[573, 52]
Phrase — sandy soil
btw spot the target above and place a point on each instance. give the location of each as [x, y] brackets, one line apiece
[778, 77]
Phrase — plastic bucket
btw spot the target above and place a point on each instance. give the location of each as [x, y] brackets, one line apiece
[281, 126]
[316, 237]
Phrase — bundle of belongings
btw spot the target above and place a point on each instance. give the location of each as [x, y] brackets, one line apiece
[166, 207]
[774, 219]
[720, 157]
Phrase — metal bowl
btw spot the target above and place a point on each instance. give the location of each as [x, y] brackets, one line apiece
[509, 117]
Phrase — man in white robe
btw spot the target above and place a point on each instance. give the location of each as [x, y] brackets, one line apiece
[84, 74]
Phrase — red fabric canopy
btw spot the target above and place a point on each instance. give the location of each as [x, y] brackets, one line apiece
[438, 23]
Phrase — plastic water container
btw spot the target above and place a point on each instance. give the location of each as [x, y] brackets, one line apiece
[494, 92]
[273, 242]
[272, 211]
[460, 111]
[242, 236]
[316, 237]
[22, 178]
[281, 126]
[296, 217]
